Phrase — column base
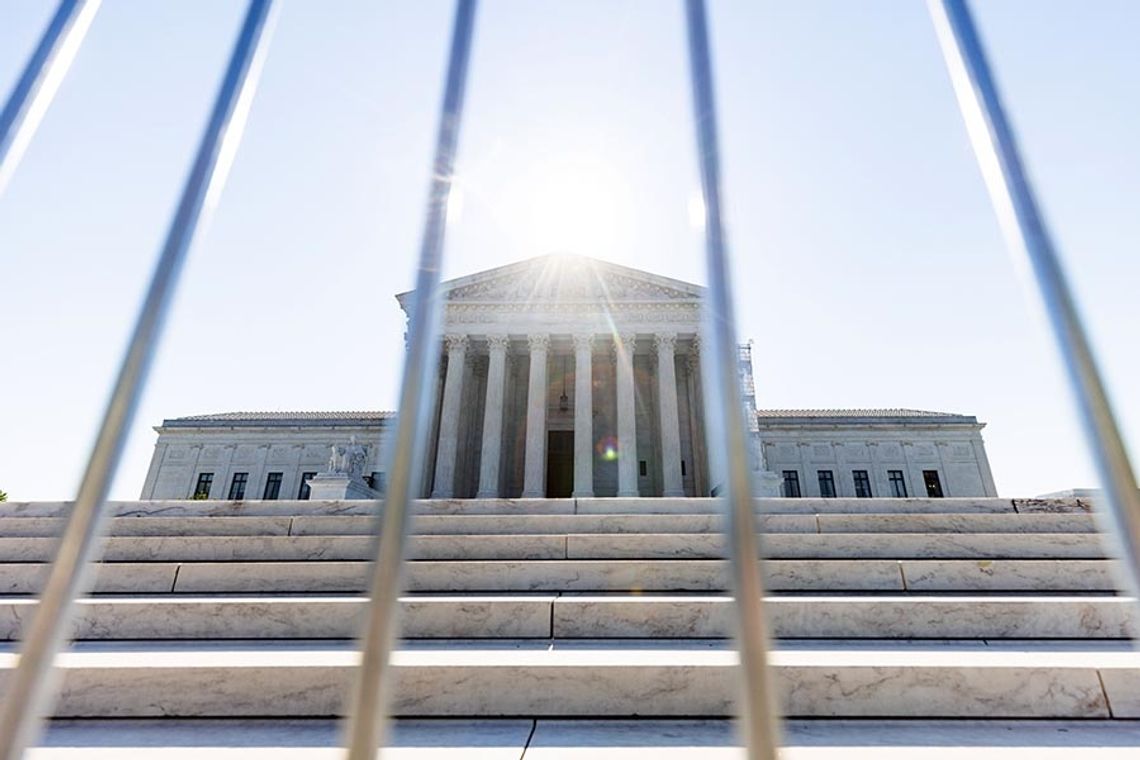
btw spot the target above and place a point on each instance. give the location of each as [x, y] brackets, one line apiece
[629, 494]
[440, 495]
[674, 494]
[533, 495]
[487, 495]
[582, 495]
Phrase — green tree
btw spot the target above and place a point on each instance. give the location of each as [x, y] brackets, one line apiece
[3, 496]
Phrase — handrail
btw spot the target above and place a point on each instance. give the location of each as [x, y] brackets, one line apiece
[368, 720]
[1032, 246]
[31, 688]
[41, 79]
[758, 702]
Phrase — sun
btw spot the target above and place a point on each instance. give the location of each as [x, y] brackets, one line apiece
[575, 203]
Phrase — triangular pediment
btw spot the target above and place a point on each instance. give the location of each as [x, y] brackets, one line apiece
[566, 279]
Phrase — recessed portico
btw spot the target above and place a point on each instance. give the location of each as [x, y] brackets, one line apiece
[565, 376]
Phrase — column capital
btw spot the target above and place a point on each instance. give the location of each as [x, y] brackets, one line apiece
[538, 341]
[498, 342]
[625, 342]
[456, 342]
[665, 342]
[583, 341]
[694, 354]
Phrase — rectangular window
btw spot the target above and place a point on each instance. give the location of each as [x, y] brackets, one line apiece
[826, 484]
[862, 484]
[643, 468]
[272, 486]
[683, 468]
[202, 490]
[303, 491]
[933, 484]
[791, 484]
[237, 486]
[898, 483]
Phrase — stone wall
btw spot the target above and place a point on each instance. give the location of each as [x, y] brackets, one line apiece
[955, 451]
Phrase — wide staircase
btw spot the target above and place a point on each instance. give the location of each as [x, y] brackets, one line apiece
[559, 628]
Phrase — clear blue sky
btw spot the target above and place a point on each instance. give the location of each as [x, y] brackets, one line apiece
[868, 265]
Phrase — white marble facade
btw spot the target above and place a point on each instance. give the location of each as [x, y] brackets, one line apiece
[566, 376]
[903, 452]
[561, 376]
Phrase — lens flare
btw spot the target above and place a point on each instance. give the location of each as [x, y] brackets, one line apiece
[607, 447]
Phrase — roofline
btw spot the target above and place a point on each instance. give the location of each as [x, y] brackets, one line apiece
[506, 269]
[949, 419]
[187, 423]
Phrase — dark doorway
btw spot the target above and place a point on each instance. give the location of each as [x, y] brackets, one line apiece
[559, 464]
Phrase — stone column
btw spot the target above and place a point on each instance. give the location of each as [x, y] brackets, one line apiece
[534, 485]
[583, 415]
[666, 344]
[493, 417]
[449, 417]
[626, 411]
[697, 422]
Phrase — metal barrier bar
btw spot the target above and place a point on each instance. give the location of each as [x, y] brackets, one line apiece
[1024, 226]
[30, 692]
[759, 706]
[40, 79]
[367, 719]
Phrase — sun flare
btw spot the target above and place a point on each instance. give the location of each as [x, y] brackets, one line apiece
[575, 203]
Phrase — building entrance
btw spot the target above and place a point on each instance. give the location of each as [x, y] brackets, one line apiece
[559, 464]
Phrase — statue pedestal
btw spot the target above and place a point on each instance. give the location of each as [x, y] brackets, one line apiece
[766, 483]
[332, 486]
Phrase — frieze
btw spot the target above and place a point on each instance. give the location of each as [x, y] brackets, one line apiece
[587, 285]
[468, 313]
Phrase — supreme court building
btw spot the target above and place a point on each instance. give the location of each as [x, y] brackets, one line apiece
[567, 376]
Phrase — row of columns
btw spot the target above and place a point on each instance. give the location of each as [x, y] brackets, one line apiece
[534, 460]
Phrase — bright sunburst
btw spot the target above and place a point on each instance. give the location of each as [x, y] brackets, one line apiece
[576, 203]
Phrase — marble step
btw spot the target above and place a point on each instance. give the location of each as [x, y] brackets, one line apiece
[593, 616]
[555, 739]
[575, 546]
[564, 679]
[529, 524]
[593, 506]
[817, 575]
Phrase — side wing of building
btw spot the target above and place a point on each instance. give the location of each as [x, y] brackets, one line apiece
[257, 455]
[876, 452]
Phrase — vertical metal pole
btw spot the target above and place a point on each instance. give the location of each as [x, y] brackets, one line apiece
[40, 79]
[30, 691]
[367, 719]
[1028, 239]
[759, 705]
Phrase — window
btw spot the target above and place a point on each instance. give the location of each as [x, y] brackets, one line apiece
[791, 484]
[237, 486]
[643, 468]
[826, 484]
[933, 484]
[683, 468]
[898, 484]
[303, 491]
[862, 484]
[202, 490]
[272, 486]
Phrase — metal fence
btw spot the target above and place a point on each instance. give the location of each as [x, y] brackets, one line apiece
[30, 693]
